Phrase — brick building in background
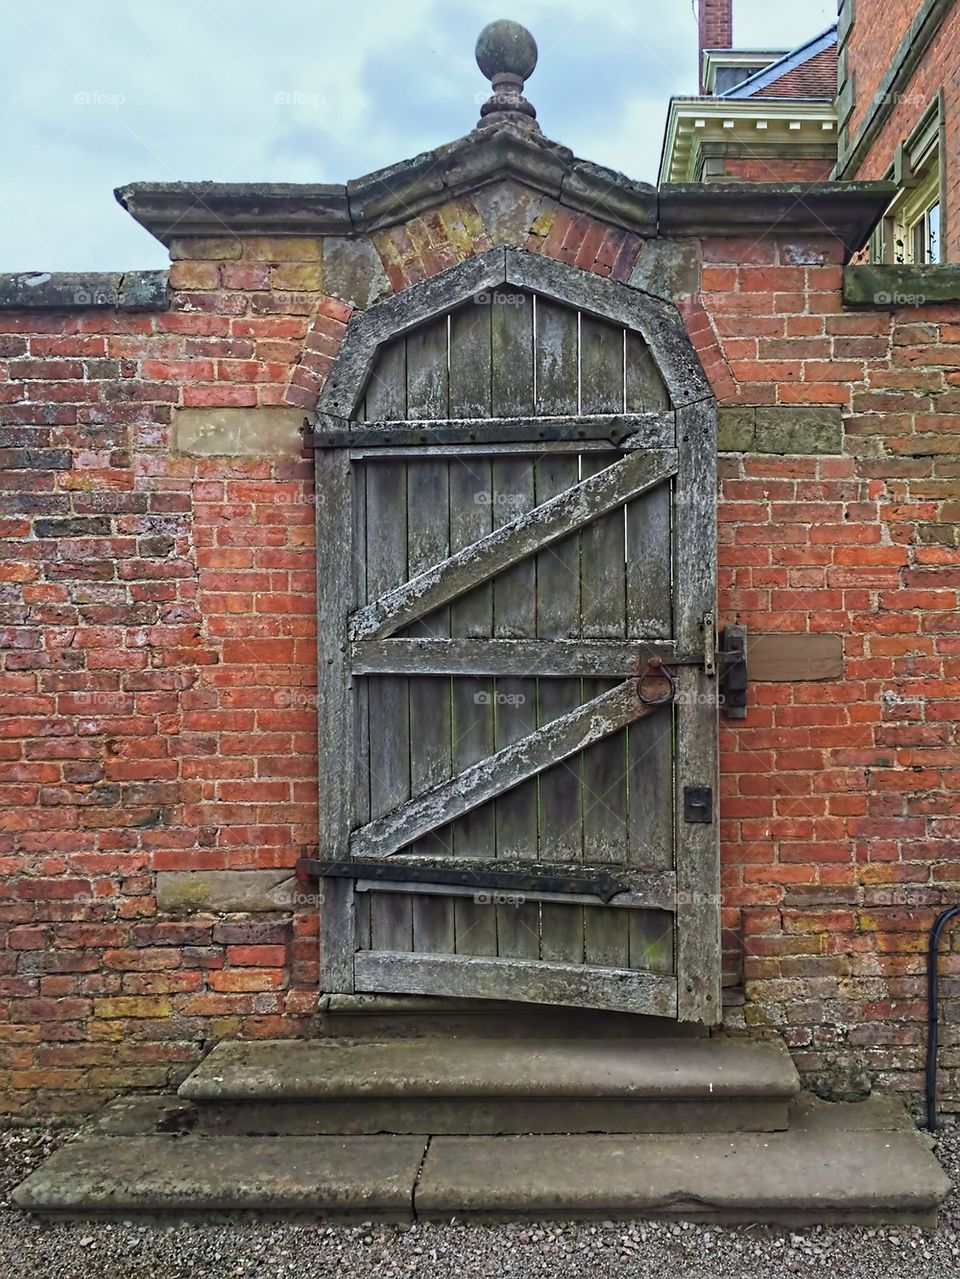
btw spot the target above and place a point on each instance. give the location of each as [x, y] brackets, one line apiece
[897, 109]
[160, 767]
[763, 115]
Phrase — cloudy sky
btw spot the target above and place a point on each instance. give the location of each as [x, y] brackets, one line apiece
[98, 93]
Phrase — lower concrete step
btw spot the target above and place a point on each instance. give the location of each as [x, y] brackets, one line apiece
[492, 1087]
[856, 1163]
[365, 1178]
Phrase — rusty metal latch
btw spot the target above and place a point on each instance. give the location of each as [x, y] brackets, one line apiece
[656, 685]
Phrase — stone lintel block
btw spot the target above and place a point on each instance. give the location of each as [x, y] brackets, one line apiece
[232, 432]
[189, 892]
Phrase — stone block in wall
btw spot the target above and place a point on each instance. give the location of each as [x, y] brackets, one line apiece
[191, 892]
[231, 432]
[668, 268]
[782, 429]
[353, 271]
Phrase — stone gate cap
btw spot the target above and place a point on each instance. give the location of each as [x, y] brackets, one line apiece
[506, 54]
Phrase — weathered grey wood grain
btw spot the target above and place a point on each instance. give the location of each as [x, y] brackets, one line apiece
[428, 517]
[557, 361]
[572, 658]
[603, 616]
[513, 542]
[397, 315]
[623, 430]
[386, 392]
[470, 376]
[427, 386]
[335, 713]
[512, 356]
[529, 981]
[572, 732]
[636, 902]
[644, 389]
[471, 615]
[515, 709]
[650, 612]
[651, 940]
[658, 321]
[603, 609]
[697, 847]
[388, 696]
[558, 620]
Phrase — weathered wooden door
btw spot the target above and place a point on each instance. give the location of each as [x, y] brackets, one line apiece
[515, 491]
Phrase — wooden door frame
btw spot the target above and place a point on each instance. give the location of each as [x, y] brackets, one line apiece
[694, 418]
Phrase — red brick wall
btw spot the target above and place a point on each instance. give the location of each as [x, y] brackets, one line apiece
[876, 33]
[159, 658]
[840, 816]
[778, 169]
[878, 28]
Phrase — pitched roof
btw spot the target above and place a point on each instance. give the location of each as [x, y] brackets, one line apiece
[807, 72]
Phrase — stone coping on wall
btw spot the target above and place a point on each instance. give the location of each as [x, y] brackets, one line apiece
[886, 287]
[84, 290]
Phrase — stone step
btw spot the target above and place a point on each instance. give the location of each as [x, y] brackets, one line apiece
[860, 1163]
[488, 1086]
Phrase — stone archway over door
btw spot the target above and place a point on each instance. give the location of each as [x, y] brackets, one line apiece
[515, 505]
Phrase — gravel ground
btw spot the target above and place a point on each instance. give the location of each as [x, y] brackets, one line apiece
[126, 1250]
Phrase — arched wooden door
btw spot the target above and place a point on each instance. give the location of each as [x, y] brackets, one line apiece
[515, 505]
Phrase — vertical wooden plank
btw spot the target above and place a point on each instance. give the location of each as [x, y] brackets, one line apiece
[386, 394]
[470, 337]
[606, 936]
[335, 710]
[558, 617]
[391, 921]
[603, 616]
[515, 706]
[391, 913]
[427, 394]
[651, 940]
[556, 359]
[697, 846]
[361, 765]
[649, 560]
[428, 518]
[471, 616]
[650, 742]
[511, 319]
[645, 389]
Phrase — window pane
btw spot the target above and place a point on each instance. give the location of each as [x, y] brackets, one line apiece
[933, 233]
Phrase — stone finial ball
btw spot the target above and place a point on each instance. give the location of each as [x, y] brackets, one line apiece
[506, 46]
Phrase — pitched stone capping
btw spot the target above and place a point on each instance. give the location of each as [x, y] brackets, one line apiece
[885, 287]
[191, 892]
[232, 432]
[784, 429]
[405, 190]
[83, 291]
